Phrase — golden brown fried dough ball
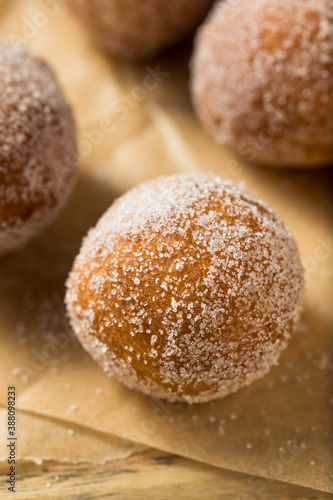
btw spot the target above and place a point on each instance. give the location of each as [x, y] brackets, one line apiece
[139, 29]
[37, 146]
[187, 289]
[262, 80]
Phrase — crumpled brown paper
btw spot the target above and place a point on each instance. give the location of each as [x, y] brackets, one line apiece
[43, 438]
[281, 426]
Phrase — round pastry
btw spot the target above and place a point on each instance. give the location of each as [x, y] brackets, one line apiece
[37, 146]
[262, 80]
[187, 289]
[138, 29]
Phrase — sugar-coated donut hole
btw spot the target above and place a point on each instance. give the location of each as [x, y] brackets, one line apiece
[37, 146]
[262, 80]
[188, 288]
[139, 29]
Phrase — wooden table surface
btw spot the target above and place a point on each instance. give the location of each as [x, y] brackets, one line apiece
[151, 474]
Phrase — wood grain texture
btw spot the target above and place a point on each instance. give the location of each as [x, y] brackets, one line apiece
[148, 475]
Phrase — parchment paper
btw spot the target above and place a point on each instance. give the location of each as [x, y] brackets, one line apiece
[281, 426]
[42, 438]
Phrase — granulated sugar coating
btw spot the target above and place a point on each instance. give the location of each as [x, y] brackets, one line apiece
[139, 28]
[187, 289]
[37, 146]
[262, 79]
